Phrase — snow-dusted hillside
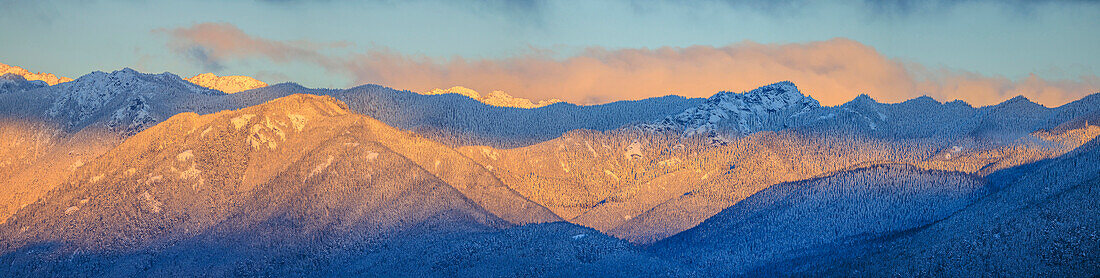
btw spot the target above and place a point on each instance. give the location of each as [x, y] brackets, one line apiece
[244, 191]
[1042, 222]
[124, 101]
[789, 177]
[14, 82]
[793, 220]
[459, 120]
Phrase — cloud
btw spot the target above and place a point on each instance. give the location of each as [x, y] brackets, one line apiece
[832, 71]
[212, 44]
[904, 8]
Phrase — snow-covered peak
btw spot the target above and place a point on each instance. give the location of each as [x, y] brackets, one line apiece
[1020, 102]
[467, 92]
[495, 98]
[121, 99]
[49, 78]
[227, 84]
[765, 108]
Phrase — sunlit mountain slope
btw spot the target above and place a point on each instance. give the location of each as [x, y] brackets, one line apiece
[227, 84]
[495, 98]
[49, 78]
[644, 184]
[284, 173]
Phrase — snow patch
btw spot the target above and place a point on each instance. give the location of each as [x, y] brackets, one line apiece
[241, 121]
[76, 164]
[321, 167]
[153, 179]
[634, 150]
[190, 173]
[184, 156]
[259, 137]
[489, 153]
[299, 121]
[612, 174]
[150, 202]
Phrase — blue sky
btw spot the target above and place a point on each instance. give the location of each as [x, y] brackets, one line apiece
[1013, 40]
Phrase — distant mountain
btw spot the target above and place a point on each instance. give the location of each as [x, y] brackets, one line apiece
[49, 78]
[10, 82]
[458, 120]
[781, 106]
[227, 84]
[771, 107]
[495, 98]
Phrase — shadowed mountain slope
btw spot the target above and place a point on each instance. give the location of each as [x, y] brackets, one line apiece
[1044, 222]
[802, 218]
[458, 120]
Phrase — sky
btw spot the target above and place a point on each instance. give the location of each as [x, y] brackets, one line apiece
[586, 52]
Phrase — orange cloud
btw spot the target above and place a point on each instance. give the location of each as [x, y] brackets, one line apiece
[832, 71]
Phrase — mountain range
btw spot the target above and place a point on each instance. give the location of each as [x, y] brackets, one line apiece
[133, 174]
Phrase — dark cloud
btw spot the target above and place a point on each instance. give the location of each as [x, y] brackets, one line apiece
[211, 44]
[905, 8]
[201, 55]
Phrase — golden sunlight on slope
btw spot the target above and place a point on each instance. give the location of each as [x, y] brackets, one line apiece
[227, 84]
[300, 153]
[643, 187]
[49, 78]
[235, 152]
[495, 98]
[35, 157]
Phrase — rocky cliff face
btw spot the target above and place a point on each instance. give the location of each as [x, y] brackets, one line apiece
[227, 84]
[48, 77]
